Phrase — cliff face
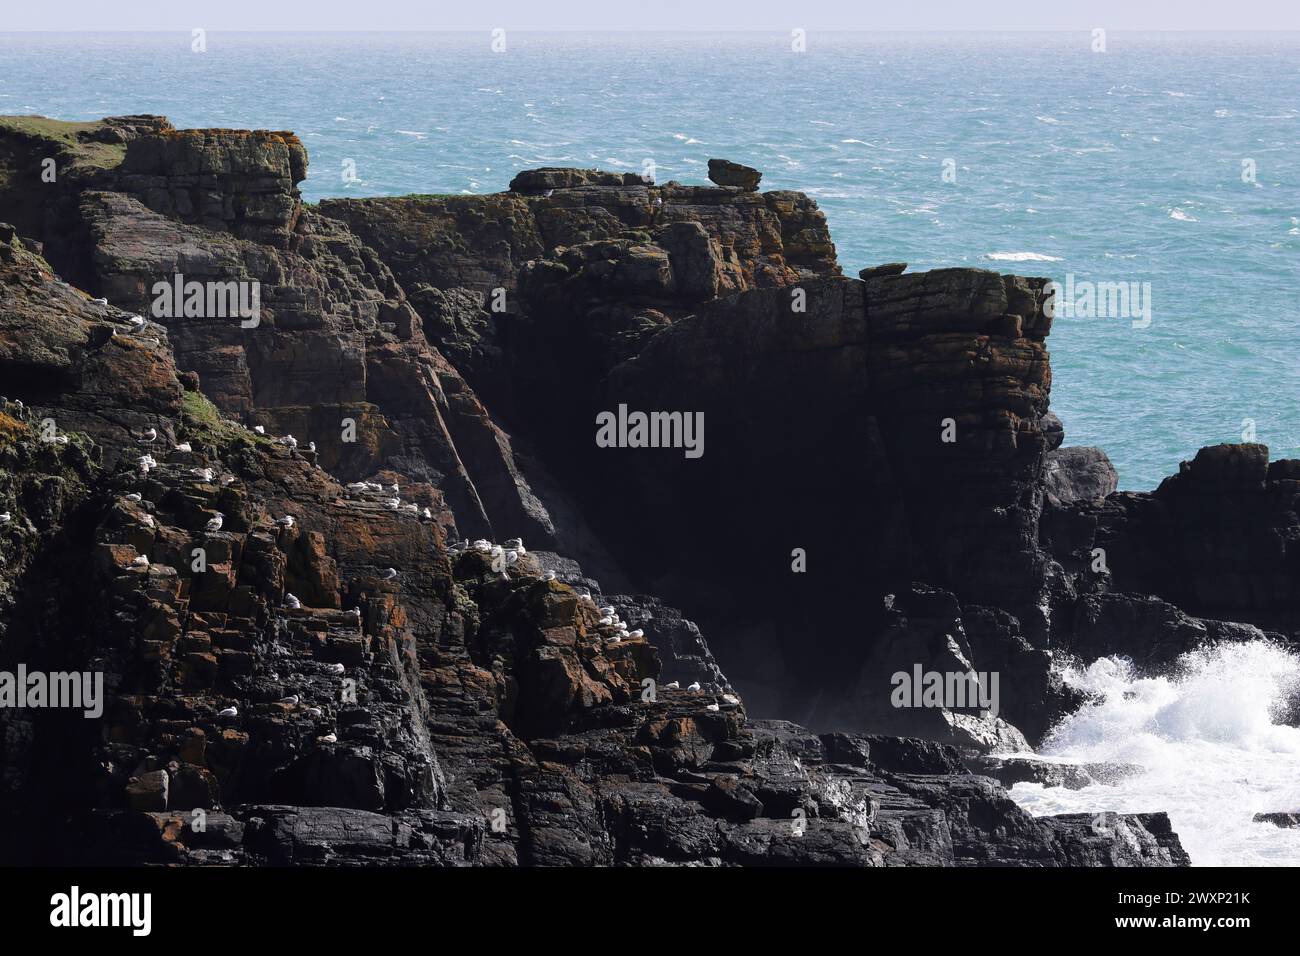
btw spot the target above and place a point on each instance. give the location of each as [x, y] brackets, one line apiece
[880, 488]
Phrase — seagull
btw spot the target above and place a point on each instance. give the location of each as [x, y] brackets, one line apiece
[357, 612]
[673, 686]
[214, 525]
[426, 514]
[621, 625]
[184, 446]
[60, 439]
[605, 621]
[373, 485]
[227, 479]
[291, 601]
[140, 562]
[329, 739]
[357, 486]
[411, 507]
[290, 441]
[5, 517]
[638, 633]
[146, 463]
[517, 544]
[393, 487]
[390, 573]
[512, 557]
[291, 700]
[311, 446]
[285, 522]
[658, 202]
[313, 711]
[712, 707]
[133, 496]
[136, 322]
[694, 687]
[100, 301]
[393, 503]
[607, 611]
[548, 576]
[616, 639]
[229, 712]
[259, 429]
[148, 436]
[482, 544]
[731, 698]
[336, 668]
[547, 194]
[147, 520]
[205, 473]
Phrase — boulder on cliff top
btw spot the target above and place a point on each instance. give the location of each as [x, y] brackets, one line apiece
[726, 173]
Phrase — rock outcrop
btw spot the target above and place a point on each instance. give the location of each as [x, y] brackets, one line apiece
[346, 670]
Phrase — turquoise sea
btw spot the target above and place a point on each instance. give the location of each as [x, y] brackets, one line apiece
[1130, 165]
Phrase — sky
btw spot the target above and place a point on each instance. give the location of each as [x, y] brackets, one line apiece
[652, 15]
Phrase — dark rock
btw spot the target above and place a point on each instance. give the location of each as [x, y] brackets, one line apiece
[726, 173]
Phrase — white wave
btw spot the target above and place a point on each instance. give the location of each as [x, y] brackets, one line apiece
[1182, 216]
[411, 132]
[1206, 735]
[1020, 257]
[1048, 119]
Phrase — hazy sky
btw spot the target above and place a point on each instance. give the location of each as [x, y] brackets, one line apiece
[1268, 15]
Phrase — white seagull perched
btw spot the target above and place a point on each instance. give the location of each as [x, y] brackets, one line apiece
[184, 446]
[259, 429]
[390, 573]
[606, 622]
[638, 633]
[214, 524]
[426, 514]
[147, 520]
[150, 434]
[393, 503]
[205, 474]
[291, 700]
[291, 601]
[136, 322]
[311, 446]
[694, 687]
[329, 739]
[673, 686]
[290, 441]
[229, 712]
[616, 639]
[100, 301]
[285, 521]
[393, 488]
[313, 711]
[134, 496]
[512, 557]
[548, 576]
[607, 611]
[482, 544]
[517, 544]
[5, 517]
[140, 562]
[358, 486]
[712, 707]
[731, 698]
[146, 462]
[336, 668]
[60, 439]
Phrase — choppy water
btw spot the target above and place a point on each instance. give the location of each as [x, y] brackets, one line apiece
[1123, 166]
[1208, 738]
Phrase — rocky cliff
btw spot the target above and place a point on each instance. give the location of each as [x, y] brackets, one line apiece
[278, 525]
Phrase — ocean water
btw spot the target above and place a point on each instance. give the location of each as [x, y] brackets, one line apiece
[1118, 166]
[1208, 739]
